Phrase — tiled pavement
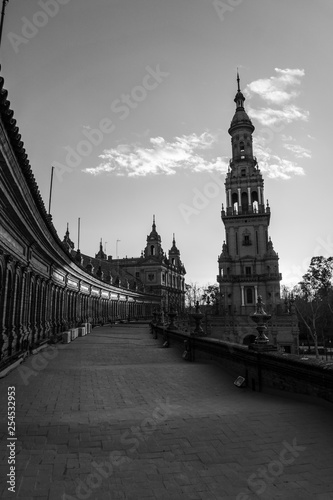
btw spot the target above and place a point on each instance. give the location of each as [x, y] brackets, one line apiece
[114, 416]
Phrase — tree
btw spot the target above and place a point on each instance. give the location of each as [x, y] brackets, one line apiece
[212, 293]
[201, 293]
[194, 293]
[313, 297]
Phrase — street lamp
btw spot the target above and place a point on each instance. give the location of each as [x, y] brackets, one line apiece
[4, 2]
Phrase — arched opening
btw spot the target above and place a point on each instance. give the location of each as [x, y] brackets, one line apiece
[245, 202]
[152, 250]
[234, 201]
[254, 201]
[18, 288]
[32, 310]
[9, 311]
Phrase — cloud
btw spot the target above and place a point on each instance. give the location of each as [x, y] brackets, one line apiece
[161, 157]
[298, 151]
[287, 138]
[273, 165]
[274, 89]
[278, 92]
[271, 116]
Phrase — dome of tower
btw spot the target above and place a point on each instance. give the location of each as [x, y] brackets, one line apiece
[241, 118]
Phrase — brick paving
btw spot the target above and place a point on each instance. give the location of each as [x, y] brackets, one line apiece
[114, 416]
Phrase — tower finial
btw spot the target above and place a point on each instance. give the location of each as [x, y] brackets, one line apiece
[238, 80]
[173, 239]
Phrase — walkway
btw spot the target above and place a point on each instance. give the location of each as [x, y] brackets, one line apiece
[114, 416]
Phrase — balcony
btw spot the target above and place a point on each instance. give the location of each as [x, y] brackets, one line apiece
[249, 278]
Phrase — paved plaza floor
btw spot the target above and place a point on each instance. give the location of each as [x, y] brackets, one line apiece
[113, 415]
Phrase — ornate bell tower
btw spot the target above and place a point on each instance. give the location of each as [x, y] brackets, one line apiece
[153, 247]
[248, 264]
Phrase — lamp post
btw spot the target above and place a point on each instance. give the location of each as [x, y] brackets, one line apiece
[197, 316]
[260, 317]
[4, 2]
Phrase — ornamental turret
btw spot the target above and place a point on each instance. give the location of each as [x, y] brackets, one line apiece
[153, 247]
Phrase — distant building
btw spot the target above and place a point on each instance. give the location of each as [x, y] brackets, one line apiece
[161, 274]
[248, 264]
[153, 272]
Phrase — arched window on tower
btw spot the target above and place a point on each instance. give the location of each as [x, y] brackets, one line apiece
[152, 250]
[245, 202]
[254, 201]
[242, 149]
[234, 200]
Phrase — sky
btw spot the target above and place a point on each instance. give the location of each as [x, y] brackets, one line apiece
[131, 100]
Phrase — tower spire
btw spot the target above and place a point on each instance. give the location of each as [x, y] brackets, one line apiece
[238, 80]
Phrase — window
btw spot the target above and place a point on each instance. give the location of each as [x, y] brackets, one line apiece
[152, 250]
[242, 147]
[137, 274]
[248, 271]
[246, 238]
[243, 172]
[249, 295]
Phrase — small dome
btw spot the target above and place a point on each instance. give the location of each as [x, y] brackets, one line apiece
[240, 118]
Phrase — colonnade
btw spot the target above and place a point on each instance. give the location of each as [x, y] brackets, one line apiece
[35, 307]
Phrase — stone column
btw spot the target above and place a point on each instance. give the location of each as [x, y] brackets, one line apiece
[259, 196]
[243, 296]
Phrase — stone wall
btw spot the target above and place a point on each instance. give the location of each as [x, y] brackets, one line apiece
[262, 371]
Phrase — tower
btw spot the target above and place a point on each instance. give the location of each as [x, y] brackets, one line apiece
[248, 264]
[67, 242]
[153, 247]
[174, 254]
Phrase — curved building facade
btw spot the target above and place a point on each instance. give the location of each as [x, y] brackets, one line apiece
[43, 290]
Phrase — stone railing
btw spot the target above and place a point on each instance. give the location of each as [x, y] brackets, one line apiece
[262, 371]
